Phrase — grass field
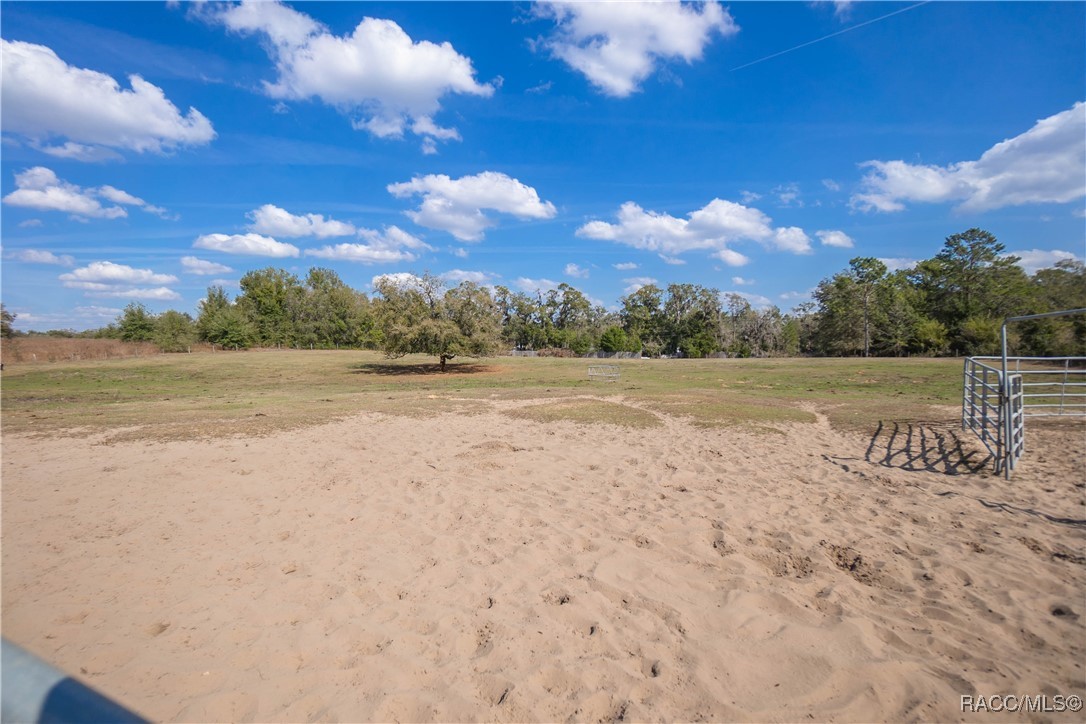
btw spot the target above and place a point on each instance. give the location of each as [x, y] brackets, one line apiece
[187, 396]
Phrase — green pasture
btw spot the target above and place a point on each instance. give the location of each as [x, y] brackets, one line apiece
[186, 396]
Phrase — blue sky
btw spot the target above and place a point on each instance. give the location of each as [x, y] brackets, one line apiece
[150, 150]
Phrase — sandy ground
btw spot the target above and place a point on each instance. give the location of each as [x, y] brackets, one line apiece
[481, 568]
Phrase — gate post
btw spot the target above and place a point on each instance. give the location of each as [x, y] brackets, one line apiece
[1005, 406]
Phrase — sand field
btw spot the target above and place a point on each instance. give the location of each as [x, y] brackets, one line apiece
[484, 567]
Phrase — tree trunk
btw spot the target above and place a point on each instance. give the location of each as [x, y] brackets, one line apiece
[443, 358]
[867, 333]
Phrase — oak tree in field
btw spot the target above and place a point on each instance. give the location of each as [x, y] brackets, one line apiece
[420, 315]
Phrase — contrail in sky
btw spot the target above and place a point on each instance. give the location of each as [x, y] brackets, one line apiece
[831, 35]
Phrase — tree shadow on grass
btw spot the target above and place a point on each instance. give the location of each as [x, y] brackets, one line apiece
[420, 370]
[920, 446]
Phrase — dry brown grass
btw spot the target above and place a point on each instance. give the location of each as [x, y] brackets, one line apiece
[28, 350]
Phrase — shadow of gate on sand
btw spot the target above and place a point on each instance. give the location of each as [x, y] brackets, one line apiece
[924, 446]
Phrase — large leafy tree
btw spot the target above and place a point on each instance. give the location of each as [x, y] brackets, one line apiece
[174, 331]
[221, 322]
[896, 316]
[969, 285]
[522, 320]
[422, 316]
[867, 273]
[849, 307]
[687, 319]
[270, 299]
[1058, 288]
[136, 323]
[576, 324]
[641, 317]
[330, 314]
[840, 318]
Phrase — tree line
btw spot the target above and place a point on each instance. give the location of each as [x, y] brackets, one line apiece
[953, 303]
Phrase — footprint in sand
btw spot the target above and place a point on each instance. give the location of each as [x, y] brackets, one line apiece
[557, 598]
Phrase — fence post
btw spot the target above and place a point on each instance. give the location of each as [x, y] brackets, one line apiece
[965, 388]
[1063, 387]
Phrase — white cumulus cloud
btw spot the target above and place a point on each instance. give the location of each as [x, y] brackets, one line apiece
[118, 196]
[386, 81]
[40, 188]
[1042, 165]
[617, 45]
[391, 245]
[532, 286]
[731, 257]
[832, 237]
[202, 267]
[578, 272]
[457, 206]
[625, 266]
[35, 256]
[1032, 260]
[44, 98]
[107, 279]
[462, 275]
[757, 301]
[712, 228]
[246, 244]
[897, 263]
[635, 283]
[400, 279]
[363, 253]
[106, 272]
[274, 221]
[161, 294]
[741, 282]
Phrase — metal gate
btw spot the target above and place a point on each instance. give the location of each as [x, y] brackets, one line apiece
[982, 411]
[996, 403]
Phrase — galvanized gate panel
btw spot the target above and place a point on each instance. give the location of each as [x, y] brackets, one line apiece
[981, 408]
[995, 404]
[1015, 421]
